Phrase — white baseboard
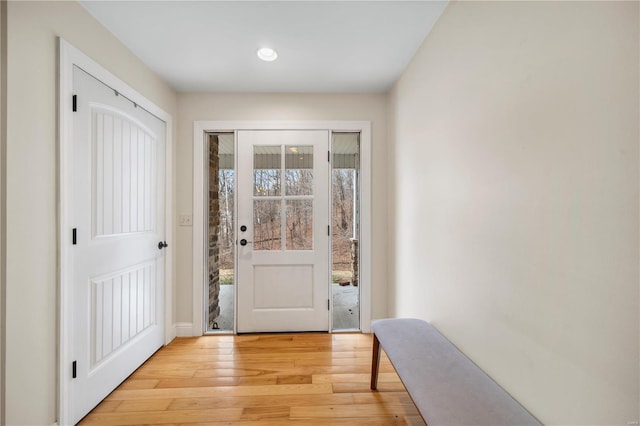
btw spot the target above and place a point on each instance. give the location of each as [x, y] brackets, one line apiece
[184, 329]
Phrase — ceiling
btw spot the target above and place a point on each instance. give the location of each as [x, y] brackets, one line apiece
[323, 46]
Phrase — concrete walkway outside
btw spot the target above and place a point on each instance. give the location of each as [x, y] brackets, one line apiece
[346, 314]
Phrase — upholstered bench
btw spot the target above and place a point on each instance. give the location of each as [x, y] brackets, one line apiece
[446, 387]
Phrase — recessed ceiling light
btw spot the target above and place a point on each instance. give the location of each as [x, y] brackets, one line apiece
[267, 54]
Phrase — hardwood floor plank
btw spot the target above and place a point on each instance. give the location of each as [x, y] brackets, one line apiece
[151, 373]
[262, 413]
[136, 383]
[219, 381]
[231, 365]
[378, 421]
[259, 401]
[289, 369]
[354, 378]
[198, 382]
[328, 361]
[360, 410]
[163, 417]
[382, 398]
[312, 389]
[365, 387]
[294, 379]
[143, 405]
[168, 351]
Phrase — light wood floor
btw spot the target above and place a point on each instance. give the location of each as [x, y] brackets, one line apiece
[260, 379]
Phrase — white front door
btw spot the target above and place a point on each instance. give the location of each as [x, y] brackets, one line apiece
[283, 224]
[118, 216]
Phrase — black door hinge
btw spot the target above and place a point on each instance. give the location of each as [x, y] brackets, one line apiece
[329, 156]
[328, 305]
[75, 103]
[328, 230]
[73, 370]
[74, 236]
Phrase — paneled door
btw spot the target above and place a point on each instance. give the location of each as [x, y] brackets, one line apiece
[283, 224]
[118, 261]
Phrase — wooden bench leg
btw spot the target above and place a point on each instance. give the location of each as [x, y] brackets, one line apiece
[375, 362]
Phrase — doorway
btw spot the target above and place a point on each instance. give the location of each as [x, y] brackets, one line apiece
[285, 286]
[283, 204]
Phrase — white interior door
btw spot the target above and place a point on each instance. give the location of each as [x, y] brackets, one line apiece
[118, 215]
[283, 219]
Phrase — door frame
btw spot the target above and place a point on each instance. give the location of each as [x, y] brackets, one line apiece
[199, 230]
[68, 57]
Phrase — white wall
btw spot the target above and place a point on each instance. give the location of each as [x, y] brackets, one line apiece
[3, 169]
[514, 143]
[31, 238]
[200, 107]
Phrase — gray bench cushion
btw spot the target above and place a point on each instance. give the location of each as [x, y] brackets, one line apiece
[446, 387]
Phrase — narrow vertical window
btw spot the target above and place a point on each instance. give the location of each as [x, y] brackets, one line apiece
[221, 237]
[345, 230]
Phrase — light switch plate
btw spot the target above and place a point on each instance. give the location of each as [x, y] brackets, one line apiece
[185, 220]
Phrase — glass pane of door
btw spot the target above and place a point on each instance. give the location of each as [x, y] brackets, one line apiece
[345, 173]
[220, 294]
[299, 170]
[267, 224]
[266, 170]
[299, 224]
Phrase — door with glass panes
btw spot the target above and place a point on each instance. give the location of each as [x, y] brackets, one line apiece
[283, 224]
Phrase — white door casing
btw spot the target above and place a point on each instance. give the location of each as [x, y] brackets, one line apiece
[283, 269]
[200, 163]
[115, 160]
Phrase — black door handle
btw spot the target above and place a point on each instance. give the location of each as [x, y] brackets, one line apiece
[162, 244]
[244, 242]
